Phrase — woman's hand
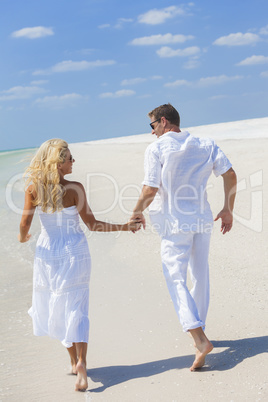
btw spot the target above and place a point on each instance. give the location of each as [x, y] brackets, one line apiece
[24, 239]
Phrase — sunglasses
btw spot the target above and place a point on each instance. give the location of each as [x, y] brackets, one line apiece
[151, 124]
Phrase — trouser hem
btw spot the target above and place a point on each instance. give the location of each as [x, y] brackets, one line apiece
[194, 326]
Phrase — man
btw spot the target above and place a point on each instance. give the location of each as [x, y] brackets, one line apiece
[177, 168]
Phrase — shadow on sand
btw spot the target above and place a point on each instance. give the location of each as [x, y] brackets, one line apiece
[235, 352]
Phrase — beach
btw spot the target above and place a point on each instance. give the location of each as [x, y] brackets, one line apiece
[137, 350]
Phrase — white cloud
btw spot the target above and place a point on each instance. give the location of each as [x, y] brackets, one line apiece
[33, 33]
[264, 74]
[118, 94]
[191, 63]
[166, 51]
[165, 39]
[59, 102]
[156, 77]
[253, 60]
[104, 26]
[39, 82]
[139, 80]
[237, 39]
[122, 21]
[218, 97]
[204, 82]
[178, 83]
[159, 16]
[133, 81]
[86, 51]
[264, 30]
[220, 79]
[69, 65]
[20, 92]
[119, 24]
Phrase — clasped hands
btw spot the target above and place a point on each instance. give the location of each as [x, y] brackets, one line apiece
[138, 217]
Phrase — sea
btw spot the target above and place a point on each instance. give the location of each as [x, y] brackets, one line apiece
[12, 166]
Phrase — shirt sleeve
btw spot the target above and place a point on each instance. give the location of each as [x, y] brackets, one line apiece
[221, 163]
[152, 168]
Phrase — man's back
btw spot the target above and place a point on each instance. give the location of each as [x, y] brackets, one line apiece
[180, 166]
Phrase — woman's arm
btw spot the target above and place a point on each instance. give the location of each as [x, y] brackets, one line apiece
[92, 223]
[27, 216]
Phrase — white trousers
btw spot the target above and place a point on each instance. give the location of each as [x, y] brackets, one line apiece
[180, 252]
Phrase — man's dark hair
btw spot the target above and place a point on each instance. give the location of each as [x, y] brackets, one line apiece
[167, 111]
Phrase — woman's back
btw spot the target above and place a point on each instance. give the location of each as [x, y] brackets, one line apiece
[62, 242]
[63, 223]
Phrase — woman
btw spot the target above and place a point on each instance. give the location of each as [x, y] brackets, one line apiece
[62, 260]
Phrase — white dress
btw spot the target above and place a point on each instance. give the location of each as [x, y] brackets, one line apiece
[61, 278]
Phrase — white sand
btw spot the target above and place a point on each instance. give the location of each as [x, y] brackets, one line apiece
[137, 350]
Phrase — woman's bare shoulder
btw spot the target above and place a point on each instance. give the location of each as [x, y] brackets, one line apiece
[74, 193]
[73, 184]
[31, 190]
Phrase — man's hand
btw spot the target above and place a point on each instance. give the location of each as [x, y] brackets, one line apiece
[226, 220]
[140, 217]
[226, 215]
[146, 197]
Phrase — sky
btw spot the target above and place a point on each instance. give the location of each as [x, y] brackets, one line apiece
[84, 70]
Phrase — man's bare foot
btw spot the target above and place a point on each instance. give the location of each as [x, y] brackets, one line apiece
[190, 335]
[202, 350]
[81, 382]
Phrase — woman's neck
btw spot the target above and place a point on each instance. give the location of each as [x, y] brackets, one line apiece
[62, 180]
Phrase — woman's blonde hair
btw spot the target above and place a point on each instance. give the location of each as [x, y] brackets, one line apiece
[44, 176]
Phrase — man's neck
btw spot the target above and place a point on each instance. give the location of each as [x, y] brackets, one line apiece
[175, 129]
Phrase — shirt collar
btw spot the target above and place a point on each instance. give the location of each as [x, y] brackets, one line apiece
[181, 134]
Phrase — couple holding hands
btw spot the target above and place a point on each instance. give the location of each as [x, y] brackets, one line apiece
[177, 168]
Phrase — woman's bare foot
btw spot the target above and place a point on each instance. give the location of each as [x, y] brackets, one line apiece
[81, 382]
[202, 351]
[73, 356]
[73, 368]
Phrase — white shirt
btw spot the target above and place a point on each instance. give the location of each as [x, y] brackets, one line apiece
[179, 165]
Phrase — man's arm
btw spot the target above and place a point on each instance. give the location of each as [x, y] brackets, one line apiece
[226, 214]
[146, 197]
